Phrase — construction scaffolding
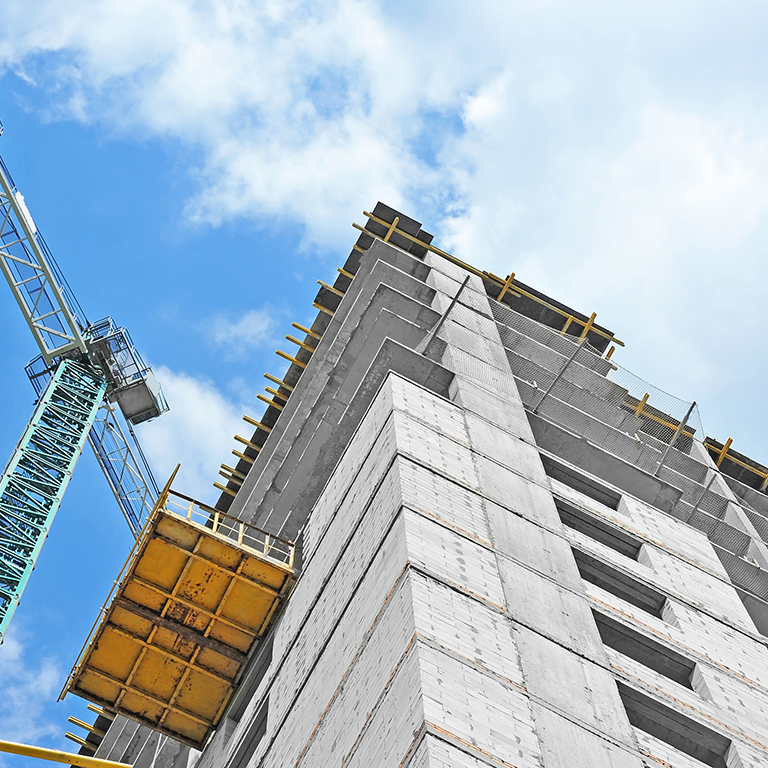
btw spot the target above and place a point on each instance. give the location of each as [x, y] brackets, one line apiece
[199, 590]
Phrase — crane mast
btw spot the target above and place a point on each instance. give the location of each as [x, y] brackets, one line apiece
[34, 481]
[82, 373]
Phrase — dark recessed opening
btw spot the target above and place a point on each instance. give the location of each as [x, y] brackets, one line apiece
[619, 583]
[648, 652]
[255, 733]
[579, 482]
[598, 529]
[674, 728]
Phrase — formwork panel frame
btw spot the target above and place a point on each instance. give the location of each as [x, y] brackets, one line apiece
[197, 593]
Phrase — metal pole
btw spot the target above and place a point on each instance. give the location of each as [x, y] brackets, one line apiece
[559, 375]
[57, 756]
[679, 429]
[422, 347]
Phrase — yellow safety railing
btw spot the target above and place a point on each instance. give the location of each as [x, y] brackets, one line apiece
[505, 284]
[723, 453]
[208, 517]
[57, 756]
[641, 410]
[223, 524]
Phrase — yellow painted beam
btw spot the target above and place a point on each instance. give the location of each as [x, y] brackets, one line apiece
[86, 727]
[302, 344]
[331, 288]
[244, 441]
[258, 424]
[392, 228]
[269, 402]
[101, 712]
[230, 478]
[588, 325]
[57, 756]
[322, 308]
[474, 271]
[345, 273]
[233, 471]
[505, 287]
[225, 489]
[308, 331]
[79, 740]
[276, 393]
[278, 381]
[286, 356]
[242, 456]
[724, 452]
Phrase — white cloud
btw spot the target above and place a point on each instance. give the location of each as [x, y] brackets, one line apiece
[238, 337]
[303, 109]
[198, 432]
[590, 147]
[27, 686]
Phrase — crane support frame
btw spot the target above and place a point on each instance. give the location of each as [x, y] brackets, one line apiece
[34, 480]
[38, 293]
[135, 495]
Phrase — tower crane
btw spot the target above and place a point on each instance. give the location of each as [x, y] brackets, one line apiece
[90, 381]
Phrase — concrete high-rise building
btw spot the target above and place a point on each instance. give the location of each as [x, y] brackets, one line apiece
[510, 552]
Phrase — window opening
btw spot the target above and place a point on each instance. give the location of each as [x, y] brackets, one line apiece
[619, 583]
[598, 529]
[580, 482]
[673, 727]
[645, 650]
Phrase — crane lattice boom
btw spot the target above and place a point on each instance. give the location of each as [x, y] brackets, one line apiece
[40, 296]
[82, 370]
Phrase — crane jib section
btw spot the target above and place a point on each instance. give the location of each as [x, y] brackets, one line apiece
[41, 295]
[33, 483]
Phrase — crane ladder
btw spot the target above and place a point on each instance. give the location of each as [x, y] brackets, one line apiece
[33, 483]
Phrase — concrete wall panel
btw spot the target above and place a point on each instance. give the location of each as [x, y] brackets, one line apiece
[568, 745]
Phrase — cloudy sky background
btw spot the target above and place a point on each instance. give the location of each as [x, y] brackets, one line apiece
[196, 166]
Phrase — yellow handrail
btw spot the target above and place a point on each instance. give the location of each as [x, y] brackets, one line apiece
[57, 756]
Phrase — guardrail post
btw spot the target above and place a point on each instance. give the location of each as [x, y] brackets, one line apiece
[559, 375]
[428, 339]
[679, 429]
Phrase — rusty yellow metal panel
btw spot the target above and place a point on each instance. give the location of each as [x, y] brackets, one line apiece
[197, 593]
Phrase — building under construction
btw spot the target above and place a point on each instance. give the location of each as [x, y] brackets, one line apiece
[459, 535]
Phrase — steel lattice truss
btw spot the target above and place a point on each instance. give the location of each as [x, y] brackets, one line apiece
[27, 265]
[33, 483]
[120, 465]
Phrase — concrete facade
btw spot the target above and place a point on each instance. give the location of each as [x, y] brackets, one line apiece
[487, 578]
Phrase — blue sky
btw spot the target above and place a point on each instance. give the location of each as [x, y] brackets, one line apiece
[196, 167]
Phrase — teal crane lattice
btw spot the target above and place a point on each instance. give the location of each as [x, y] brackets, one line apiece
[34, 481]
[82, 371]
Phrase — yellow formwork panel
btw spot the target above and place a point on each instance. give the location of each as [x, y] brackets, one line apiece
[197, 593]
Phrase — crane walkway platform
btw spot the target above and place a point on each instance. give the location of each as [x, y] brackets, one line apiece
[197, 593]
